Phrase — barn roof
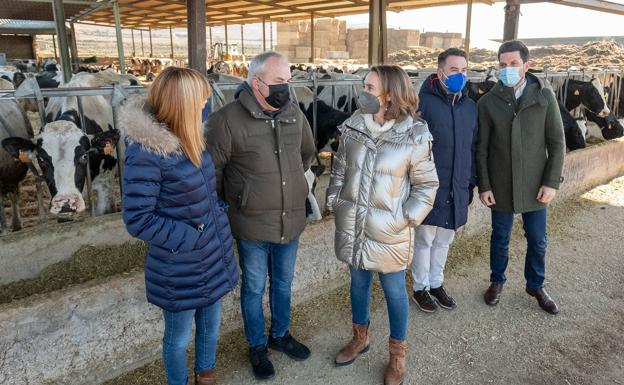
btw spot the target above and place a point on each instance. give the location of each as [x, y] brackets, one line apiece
[164, 13]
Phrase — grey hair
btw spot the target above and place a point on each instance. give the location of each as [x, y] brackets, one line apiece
[258, 63]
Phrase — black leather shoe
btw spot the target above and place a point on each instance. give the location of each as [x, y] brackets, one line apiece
[493, 293]
[544, 300]
[444, 300]
[260, 363]
[290, 346]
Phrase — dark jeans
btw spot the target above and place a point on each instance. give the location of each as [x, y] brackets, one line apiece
[393, 285]
[535, 233]
[178, 329]
[257, 260]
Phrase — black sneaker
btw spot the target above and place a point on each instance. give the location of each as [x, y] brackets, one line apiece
[290, 346]
[424, 301]
[444, 300]
[260, 363]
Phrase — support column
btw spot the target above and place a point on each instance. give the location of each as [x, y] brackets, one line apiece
[468, 27]
[142, 47]
[196, 11]
[271, 35]
[61, 34]
[171, 40]
[120, 47]
[264, 35]
[73, 46]
[512, 19]
[133, 46]
[312, 38]
[242, 40]
[210, 40]
[151, 47]
[377, 32]
[227, 42]
[54, 48]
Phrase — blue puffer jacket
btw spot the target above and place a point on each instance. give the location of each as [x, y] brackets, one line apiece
[173, 205]
[453, 124]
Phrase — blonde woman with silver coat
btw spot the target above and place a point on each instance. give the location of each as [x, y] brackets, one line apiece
[383, 184]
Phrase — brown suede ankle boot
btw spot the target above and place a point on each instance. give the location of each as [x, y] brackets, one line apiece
[395, 371]
[359, 344]
[207, 377]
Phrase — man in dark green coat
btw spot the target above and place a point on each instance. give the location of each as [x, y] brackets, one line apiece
[520, 151]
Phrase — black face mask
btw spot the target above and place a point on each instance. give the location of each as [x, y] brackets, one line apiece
[279, 95]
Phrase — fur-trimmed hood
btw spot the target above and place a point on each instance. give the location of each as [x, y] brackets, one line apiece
[138, 125]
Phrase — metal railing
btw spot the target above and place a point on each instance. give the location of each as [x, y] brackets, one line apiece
[118, 93]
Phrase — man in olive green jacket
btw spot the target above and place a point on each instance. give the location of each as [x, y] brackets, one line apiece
[520, 154]
[261, 144]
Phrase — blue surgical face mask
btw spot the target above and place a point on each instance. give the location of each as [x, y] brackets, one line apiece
[510, 76]
[456, 82]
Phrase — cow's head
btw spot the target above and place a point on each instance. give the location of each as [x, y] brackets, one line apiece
[59, 155]
[590, 95]
[476, 90]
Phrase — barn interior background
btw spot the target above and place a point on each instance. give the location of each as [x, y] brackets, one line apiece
[63, 275]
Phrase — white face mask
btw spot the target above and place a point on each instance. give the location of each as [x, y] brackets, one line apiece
[510, 76]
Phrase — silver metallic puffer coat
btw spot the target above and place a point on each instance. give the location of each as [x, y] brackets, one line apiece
[379, 190]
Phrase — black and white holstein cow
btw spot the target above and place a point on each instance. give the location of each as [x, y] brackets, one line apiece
[589, 95]
[574, 135]
[63, 150]
[13, 124]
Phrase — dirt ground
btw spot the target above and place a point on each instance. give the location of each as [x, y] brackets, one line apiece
[512, 343]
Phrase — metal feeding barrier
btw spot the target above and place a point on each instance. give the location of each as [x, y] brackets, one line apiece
[314, 86]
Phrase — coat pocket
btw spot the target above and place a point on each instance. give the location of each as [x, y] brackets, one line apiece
[243, 196]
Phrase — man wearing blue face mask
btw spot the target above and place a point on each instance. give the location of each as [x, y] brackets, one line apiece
[452, 119]
[519, 163]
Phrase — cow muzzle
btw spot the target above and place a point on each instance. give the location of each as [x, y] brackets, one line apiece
[604, 113]
[71, 203]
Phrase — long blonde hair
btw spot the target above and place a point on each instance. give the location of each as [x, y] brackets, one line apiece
[177, 98]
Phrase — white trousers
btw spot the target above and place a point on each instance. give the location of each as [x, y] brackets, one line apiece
[430, 252]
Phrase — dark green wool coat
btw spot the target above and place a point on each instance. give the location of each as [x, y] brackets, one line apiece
[521, 145]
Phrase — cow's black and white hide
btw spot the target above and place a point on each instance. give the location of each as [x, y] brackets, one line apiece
[313, 211]
[586, 94]
[574, 135]
[327, 123]
[13, 123]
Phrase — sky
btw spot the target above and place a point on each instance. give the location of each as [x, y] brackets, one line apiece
[536, 20]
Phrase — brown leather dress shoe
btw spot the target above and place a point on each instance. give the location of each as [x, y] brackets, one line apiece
[544, 300]
[206, 377]
[493, 293]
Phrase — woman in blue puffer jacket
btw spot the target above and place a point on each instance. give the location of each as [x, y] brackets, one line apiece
[169, 200]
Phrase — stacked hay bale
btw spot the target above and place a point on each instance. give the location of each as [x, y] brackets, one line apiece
[330, 40]
[398, 39]
[442, 40]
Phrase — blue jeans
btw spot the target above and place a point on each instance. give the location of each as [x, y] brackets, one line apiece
[535, 233]
[393, 285]
[178, 328]
[257, 260]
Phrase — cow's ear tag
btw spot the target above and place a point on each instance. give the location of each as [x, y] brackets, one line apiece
[577, 93]
[108, 148]
[23, 157]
